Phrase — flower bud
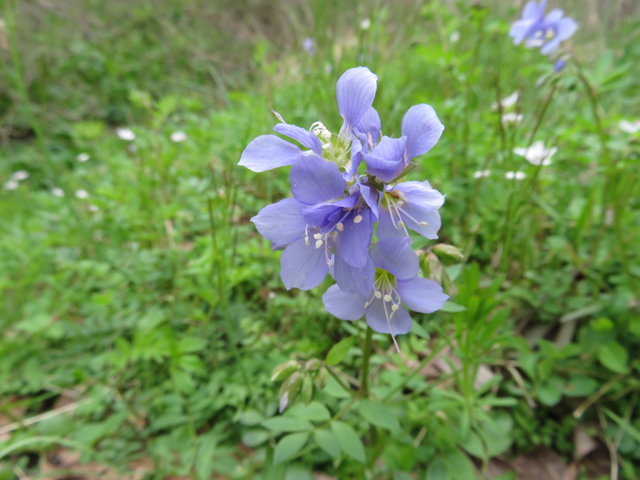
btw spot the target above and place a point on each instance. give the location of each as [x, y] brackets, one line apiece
[307, 389]
[283, 370]
[447, 252]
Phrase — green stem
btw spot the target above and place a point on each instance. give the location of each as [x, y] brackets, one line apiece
[364, 380]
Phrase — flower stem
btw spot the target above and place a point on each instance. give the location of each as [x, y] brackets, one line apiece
[364, 380]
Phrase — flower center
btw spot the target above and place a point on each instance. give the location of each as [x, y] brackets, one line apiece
[384, 288]
[396, 211]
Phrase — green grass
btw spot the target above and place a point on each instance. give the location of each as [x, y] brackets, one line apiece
[156, 306]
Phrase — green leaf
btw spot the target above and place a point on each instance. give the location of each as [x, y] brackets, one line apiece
[548, 395]
[420, 331]
[316, 412]
[452, 307]
[349, 441]
[287, 424]
[191, 344]
[613, 356]
[254, 438]
[284, 370]
[288, 446]
[438, 470]
[339, 351]
[328, 442]
[379, 414]
[204, 457]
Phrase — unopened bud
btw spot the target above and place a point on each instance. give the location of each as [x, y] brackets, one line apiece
[448, 252]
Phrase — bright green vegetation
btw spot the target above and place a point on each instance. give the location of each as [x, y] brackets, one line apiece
[155, 309]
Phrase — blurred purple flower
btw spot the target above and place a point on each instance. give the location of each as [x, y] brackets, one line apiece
[309, 46]
[396, 284]
[542, 31]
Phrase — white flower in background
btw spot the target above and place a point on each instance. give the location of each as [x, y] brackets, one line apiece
[507, 102]
[365, 24]
[178, 136]
[83, 157]
[629, 127]
[132, 148]
[536, 154]
[125, 134]
[20, 175]
[511, 118]
[514, 175]
[271, 295]
[11, 185]
[58, 192]
[481, 173]
[93, 208]
[82, 194]
[454, 37]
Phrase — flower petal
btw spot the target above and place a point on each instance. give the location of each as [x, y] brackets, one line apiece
[386, 226]
[345, 306]
[553, 16]
[566, 28]
[315, 181]
[282, 222]
[386, 161]
[370, 196]
[421, 295]
[431, 218]
[303, 266]
[520, 30]
[422, 128]
[378, 319]
[355, 92]
[355, 239]
[369, 123]
[420, 194]
[305, 137]
[267, 152]
[396, 256]
[351, 279]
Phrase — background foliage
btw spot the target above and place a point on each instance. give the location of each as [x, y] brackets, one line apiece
[153, 312]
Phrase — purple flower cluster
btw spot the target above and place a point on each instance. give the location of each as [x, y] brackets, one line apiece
[328, 226]
[542, 31]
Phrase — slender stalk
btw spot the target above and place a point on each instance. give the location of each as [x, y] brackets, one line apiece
[364, 380]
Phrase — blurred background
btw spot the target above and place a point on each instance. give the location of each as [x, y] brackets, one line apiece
[142, 314]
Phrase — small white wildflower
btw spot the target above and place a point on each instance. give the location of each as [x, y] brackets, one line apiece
[58, 192]
[82, 157]
[481, 173]
[629, 127]
[82, 194]
[20, 175]
[507, 102]
[536, 154]
[511, 118]
[454, 37]
[271, 295]
[520, 175]
[515, 175]
[125, 134]
[93, 208]
[178, 136]
[11, 185]
[365, 24]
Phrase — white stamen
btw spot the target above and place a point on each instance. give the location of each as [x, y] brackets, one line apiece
[317, 236]
[306, 241]
[319, 243]
[394, 307]
[378, 295]
[340, 226]
[399, 203]
[358, 219]
[400, 224]
[387, 298]
[366, 304]
[424, 224]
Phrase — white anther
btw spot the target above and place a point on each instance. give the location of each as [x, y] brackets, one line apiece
[387, 298]
[340, 226]
[399, 203]
[424, 224]
[319, 243]
[317, 236]
[358, 219]
[366, 304]
[306, 241]
[394, 307]
[400, 224]
[378, 295]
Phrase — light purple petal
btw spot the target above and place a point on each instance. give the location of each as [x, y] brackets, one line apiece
[553, 16]
[551, 46]
[420, 194]
[432, 220]
[315, 181]
[378, 319]
[305, 137]
[396, 256]
[355, 239]
[520, 30]
[351, 279]
[387, 228]
[422, 128]
[532, 11]
[566, 28]
[303, 266]
[369, 123]
[421, 295]
[386, 161]
[345, 306]
[267, 152]
[282, 222]
[355, 92]
[370, 196]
